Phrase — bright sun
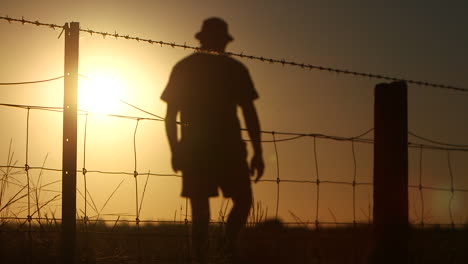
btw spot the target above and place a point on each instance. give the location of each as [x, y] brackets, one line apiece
[100, 92]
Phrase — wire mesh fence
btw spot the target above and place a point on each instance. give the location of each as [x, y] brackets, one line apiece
[21, 191]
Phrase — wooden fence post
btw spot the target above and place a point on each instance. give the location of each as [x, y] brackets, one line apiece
[391, 173]
[70, 110]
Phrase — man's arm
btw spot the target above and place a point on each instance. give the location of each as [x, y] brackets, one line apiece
[253, 127]
[171, 132]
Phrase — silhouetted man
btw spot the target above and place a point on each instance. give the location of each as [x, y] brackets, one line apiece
[206, 88]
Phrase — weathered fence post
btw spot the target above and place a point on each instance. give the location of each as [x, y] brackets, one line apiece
[391, 173]
[70, 108]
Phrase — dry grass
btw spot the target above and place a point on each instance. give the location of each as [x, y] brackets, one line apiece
[267, 242]
[263, 241]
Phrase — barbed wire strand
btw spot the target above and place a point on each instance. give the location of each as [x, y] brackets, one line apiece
[33, 82]
[277, 176]
[24, 21]
[277, 61]
[282, 62]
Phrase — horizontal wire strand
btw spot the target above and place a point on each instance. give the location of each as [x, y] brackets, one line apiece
[33, 82]
[434, 188]
[294, 135]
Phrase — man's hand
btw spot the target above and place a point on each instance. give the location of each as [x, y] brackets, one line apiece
[175, 165]
[257, 165]
[171, 132]
[176, 159]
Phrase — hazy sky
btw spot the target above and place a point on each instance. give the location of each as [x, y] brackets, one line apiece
[424, 40]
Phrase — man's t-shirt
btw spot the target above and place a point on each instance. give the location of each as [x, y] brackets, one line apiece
[207, 88]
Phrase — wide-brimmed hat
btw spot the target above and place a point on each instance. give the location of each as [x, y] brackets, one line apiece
[214, 28]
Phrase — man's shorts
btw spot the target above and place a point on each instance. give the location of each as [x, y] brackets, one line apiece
[206, 172]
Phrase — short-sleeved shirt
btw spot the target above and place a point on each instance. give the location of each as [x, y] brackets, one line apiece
[207, 89]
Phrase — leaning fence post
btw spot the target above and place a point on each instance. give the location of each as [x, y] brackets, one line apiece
[70, 108]
[391, 173]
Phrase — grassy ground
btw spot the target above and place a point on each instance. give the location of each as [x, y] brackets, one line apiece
[268, 242]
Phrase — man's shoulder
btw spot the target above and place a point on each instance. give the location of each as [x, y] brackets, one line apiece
[200, 57]
[187, 60]
[237, 63]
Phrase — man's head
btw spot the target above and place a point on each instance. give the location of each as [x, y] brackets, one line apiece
[214, 34]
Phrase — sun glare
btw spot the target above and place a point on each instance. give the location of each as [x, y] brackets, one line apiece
[100, 92]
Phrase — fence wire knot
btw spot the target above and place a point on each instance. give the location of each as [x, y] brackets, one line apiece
[135, 174]
[29, 218]
[84, 171]
[26, 167]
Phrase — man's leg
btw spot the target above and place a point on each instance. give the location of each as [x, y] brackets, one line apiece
[237, 218]
[200, 221]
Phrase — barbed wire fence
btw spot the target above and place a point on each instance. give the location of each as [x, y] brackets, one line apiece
[283, 62]
[33, 214]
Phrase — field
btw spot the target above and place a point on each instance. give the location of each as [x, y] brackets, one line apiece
[266, 242]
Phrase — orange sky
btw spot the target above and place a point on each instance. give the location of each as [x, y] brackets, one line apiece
[422, 43]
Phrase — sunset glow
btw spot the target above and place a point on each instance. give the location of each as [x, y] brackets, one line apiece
[129, 62]
[100, 92]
